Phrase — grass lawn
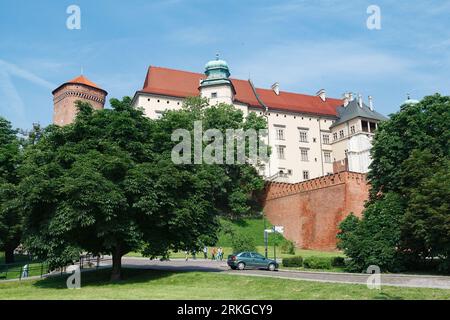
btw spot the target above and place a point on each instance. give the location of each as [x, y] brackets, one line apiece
[152, 284]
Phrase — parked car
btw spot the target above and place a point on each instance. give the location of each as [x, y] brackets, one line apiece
[254, 260]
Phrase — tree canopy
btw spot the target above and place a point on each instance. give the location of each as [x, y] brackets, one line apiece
[10, 214]
[409, 199]
[107, 184]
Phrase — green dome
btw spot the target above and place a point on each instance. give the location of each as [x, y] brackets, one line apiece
[216, 64]
[217, 69]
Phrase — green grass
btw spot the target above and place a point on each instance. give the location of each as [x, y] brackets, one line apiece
[14, 270]
[152, 284]
[253, 227]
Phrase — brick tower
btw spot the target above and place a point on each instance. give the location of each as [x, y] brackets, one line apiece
[64, 97]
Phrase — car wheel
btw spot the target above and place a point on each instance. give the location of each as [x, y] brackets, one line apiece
[234, 268]
[241, 266]
[272, 267]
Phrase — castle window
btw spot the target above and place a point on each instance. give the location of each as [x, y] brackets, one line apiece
[304, 154]
[303, 136]
[148, 99]
[341, 134]
[168, 101]
[327, 156]
[352, 129]
[213, 95]
[365, 126]
[281, 152]
[159, 114]
[326, 139]
[280, 133]
[335, 136]
[305, 175]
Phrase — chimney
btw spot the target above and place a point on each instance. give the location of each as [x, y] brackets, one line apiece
[322, 94]
[360, 101]
[346, 98]
[276, 88]
[350, 96]
[371, 103]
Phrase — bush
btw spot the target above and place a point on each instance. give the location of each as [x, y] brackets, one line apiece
[287, 247]
[242, 242]
[337, 262]
[317, 263]
[293, 262]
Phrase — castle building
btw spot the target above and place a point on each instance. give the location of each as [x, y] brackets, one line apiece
[310, 135]
[65, 96]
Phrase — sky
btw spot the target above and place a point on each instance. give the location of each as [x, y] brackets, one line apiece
[305, 45]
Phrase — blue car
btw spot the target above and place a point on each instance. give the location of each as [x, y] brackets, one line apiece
[245, 260]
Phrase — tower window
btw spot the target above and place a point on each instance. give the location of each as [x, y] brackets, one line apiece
[280, 152]
[327, 156]
[326, 139]
[305, 175]
[304, 154]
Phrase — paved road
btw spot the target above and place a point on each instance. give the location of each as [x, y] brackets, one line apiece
[420, 281]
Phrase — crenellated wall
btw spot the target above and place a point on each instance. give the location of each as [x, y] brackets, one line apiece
[311, 211]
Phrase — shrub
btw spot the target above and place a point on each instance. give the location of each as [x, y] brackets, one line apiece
[243, 242]
[292, 262]
[288, 247]
[337, 262]
[317, 263]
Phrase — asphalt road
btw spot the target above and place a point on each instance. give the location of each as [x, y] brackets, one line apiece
[401, 280]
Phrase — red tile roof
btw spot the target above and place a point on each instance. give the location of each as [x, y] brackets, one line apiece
[80, 80]
[83, 80]
[183, 84]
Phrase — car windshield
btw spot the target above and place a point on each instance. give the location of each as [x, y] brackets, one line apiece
[245, 255]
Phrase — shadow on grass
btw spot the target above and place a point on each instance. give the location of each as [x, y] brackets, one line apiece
[96, 278]
[387, 296]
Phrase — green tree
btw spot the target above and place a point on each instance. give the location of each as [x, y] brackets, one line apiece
[10, 214]
[411, 152]
[107, 184]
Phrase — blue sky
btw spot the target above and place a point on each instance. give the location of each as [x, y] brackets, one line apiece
[304, 45]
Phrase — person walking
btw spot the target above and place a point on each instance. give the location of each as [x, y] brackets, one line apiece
[220, 254]
[187, 254]
[205, 252]
[213, 253]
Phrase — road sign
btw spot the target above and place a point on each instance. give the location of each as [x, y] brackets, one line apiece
[279, 229]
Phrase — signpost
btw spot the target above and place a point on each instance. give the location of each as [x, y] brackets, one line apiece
[275, 229]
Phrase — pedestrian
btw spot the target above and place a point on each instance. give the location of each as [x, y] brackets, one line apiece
[187, 254]
[213, 253]
[205, 252]
[220, 254]
[194, 254]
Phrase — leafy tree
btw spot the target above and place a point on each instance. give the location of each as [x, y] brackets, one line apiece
[243, 242]
[107, 184]
[410, 155]
[374, 239]
[10, 214]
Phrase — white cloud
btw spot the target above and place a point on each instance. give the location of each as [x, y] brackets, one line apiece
[16, 71]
